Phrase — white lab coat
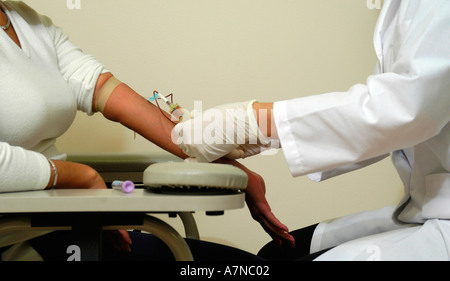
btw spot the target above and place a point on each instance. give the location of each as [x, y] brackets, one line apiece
[402, 110]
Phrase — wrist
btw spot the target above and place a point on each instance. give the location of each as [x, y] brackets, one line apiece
[264, 117]
[250, 174]
[53, 175]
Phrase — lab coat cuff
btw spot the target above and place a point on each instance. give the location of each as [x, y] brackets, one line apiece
[287, 139]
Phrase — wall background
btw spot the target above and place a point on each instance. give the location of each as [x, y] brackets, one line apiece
[222, 51]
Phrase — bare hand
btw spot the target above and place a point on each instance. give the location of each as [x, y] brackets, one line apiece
[119, 239]
[261, 212]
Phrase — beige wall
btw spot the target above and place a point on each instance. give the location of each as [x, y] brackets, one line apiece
[221, 51]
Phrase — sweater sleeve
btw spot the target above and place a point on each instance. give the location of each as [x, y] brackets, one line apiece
[79, 70]
[30, 167]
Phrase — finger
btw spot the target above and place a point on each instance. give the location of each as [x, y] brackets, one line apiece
[277, 223]
[272, 219]
[121, 240]
[276, 229]
[284, 235]
[280, 234]
[125, 236]
[281, 237]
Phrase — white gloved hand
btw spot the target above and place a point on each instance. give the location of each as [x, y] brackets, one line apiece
[229, 130]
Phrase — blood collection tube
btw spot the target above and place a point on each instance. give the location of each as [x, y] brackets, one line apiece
[125, 186]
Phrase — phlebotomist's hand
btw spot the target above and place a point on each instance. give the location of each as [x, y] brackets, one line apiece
[232, 130]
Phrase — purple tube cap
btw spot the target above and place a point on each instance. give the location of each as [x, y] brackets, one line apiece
[128, 186]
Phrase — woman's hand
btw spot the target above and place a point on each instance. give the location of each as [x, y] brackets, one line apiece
[261, 212]
[255, 197]
[119, 239]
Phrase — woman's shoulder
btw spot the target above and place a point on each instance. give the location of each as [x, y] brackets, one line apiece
[25, 11]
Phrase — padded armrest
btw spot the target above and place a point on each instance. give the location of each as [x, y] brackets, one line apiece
[121, 165]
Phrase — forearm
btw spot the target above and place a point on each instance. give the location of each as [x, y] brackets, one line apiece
[72, 175]
[135, 112]
[124, 105]
[264, 118]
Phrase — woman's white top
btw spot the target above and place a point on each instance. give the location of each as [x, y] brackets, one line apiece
[42, 85]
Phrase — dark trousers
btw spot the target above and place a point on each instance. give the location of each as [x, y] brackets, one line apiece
[301, 251]
[145, 247]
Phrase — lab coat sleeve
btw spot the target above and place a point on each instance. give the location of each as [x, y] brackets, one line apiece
[405, 105]
[324, 175]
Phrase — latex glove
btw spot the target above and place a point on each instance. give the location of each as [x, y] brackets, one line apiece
[229, 130]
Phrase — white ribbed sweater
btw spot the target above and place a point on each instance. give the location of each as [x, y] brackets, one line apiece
[42, 85]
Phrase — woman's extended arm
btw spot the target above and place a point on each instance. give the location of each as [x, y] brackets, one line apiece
[124, 105]
[133, 111]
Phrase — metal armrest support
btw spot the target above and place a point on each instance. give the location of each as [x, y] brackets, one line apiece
[157, 227]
